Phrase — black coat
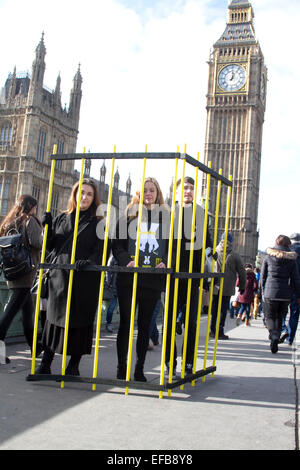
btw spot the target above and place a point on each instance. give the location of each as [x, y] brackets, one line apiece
[279, 274]
[123, 248]
[186, 238]
[86, 284]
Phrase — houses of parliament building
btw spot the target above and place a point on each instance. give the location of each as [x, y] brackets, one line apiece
[32, 120]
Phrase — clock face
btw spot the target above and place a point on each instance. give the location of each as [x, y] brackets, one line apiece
[232, 77]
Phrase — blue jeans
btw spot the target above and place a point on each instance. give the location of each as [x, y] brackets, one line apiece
[233, 310]
[153, 331]
[110, 310]
[294, 318]
[247, 308]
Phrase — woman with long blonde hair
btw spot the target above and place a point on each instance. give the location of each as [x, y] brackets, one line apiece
[152, 253]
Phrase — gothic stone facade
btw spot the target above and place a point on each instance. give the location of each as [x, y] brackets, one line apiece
[236, 101]
[32, 120]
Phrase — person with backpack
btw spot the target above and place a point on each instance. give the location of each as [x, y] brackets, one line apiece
[22, 219]
[84, 299]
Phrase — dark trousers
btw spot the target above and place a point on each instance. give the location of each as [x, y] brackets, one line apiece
[223, 314]
[181, 307]
[274, 312]
[146, 301]
[294, 318]
[19, 300]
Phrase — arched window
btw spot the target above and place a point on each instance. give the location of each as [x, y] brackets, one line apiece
[5, 133]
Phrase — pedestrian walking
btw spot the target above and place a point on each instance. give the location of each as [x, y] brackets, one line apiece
[247, 297]
[22, 218]
[279, 281]
[290, 329]
[85, 290]
[233, 268]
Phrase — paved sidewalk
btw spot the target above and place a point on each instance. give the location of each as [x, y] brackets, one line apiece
[253, 391]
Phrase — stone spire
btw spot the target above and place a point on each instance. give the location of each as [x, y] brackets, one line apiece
[128, 185]
[102, 172]
[37, 74]
[75, 97]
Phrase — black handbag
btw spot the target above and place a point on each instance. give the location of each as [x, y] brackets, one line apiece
[16, 259]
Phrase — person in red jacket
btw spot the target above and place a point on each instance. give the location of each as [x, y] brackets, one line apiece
[247, 297]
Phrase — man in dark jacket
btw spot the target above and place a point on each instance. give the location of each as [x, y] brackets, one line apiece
[233, 268]
[188, 198]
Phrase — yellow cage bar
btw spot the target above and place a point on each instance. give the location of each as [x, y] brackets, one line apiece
[43, 255]
[135, 276]
[71, 276]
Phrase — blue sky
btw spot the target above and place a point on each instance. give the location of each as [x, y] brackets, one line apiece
[144, 68]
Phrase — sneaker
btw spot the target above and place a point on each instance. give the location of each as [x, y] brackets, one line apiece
[109, 328]
[238, 320]
[283, 338]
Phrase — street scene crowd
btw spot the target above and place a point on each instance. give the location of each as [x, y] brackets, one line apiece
[271, 291]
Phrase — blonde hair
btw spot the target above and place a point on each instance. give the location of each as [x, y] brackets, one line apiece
[132, 209]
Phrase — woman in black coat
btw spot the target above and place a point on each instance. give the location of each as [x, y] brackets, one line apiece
[153, 253]
[85, 290]
[279, 280]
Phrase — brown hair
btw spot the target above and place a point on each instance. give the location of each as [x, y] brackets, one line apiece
[283, 240]
[72, 204]
[187, 179]
[133, 207]
[19, 213]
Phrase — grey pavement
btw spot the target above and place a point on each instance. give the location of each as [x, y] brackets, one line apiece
[250, 403]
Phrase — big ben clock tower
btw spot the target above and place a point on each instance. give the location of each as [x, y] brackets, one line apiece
[236, 102]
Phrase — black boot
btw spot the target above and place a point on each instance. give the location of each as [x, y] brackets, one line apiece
[139, 373]
[73, 366]
[121, 371]
[45, 367]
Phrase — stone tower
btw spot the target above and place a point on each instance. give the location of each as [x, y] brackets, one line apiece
[32, 120]
[236, 101]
